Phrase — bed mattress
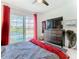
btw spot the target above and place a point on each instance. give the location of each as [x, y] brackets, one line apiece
[26, 50]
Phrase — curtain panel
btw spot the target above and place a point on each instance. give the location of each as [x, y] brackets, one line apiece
[5, 25]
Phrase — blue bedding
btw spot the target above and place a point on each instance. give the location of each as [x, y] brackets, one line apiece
[26, 50]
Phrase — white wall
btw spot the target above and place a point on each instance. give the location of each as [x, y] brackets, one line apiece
[16, 10]
[67, 11]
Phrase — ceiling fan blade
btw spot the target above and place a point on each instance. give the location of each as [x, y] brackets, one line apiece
[46, 3]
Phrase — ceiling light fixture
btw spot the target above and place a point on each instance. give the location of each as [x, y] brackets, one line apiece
[42, 1]
[39, 1]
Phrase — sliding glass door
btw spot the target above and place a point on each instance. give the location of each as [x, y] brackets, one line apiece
[29, 26]
[16, 28]
[21, 28]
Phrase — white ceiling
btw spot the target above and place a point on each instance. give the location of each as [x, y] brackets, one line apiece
[28, 4]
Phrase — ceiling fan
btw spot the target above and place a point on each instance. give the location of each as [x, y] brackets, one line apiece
[41, 1]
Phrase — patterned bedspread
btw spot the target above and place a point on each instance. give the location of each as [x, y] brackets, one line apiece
[26, 50]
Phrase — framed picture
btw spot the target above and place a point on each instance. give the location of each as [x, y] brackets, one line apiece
[43, 26]
[70, 23]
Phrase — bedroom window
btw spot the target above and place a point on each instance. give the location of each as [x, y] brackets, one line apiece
[21, 28]
[29, 27]
[16, 28]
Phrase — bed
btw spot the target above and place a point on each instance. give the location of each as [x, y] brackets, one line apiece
[33, 49]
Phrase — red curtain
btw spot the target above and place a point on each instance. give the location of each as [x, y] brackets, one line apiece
[5, 25]
[35, 26]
